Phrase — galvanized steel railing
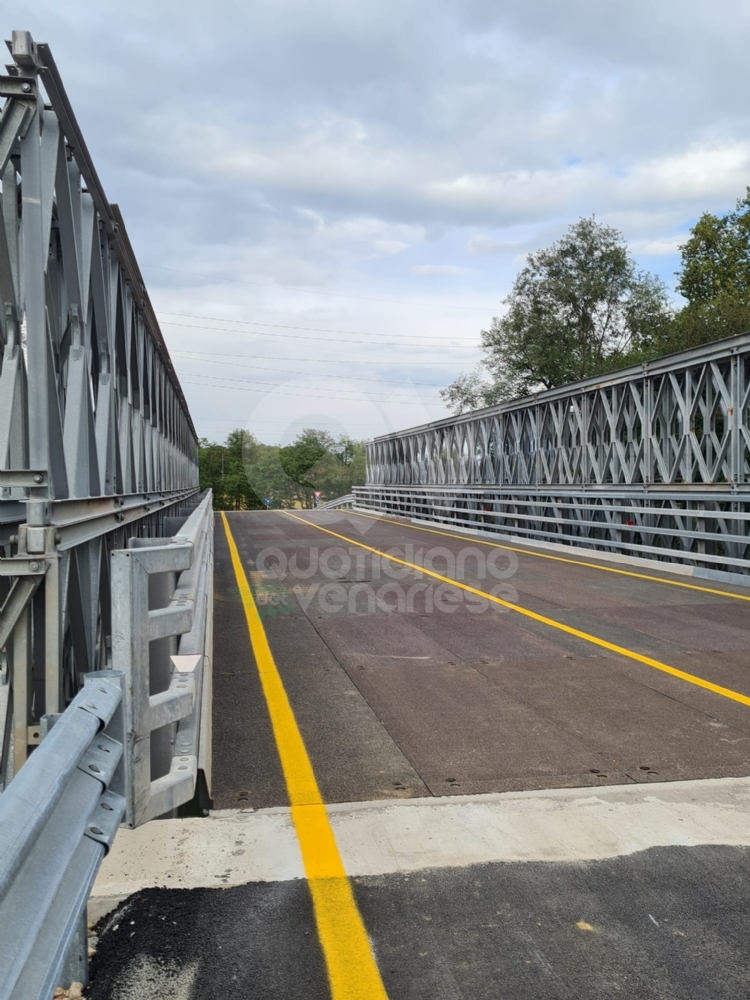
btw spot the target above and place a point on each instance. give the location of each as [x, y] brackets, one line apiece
[58, 818]
[345, 501]
[653, 460]
[98, 764]
[162, 628]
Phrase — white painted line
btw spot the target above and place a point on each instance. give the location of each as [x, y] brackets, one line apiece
[406, 835]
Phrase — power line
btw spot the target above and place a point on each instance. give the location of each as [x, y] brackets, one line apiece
[317, 361]
[310, 329]
[307, 288]
[297, 336]
[325, 392]
[184, 380]
[282, 423]
[286, 371]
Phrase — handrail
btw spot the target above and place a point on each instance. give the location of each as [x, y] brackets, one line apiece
[58, 818]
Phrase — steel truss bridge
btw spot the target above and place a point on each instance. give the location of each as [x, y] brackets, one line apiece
[106, 650]
[652, 460]
[105, 541]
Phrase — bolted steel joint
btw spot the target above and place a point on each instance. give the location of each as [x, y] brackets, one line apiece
[100, 698]
[104, 819]
[101, 759]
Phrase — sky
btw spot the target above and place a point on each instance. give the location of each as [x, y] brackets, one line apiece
[330, 200]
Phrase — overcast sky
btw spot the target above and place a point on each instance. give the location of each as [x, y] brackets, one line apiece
[342, 190]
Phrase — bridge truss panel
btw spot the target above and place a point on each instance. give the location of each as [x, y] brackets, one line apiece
[652, 460]
[680, 420]
[96, 442]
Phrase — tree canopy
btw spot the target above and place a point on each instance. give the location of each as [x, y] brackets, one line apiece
[581, 307]
[576, 309]
[714, 279]
[243, 473]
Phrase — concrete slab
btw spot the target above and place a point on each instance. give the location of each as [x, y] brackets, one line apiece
[234, 847]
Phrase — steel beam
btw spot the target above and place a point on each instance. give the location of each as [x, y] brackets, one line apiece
[96, 442]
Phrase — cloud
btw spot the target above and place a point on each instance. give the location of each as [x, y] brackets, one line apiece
[337, 145]
[438, 269]
[485, 246]
[658, 248]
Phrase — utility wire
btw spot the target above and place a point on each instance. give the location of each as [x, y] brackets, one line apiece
[325, 392]
[310, 329]
[317, 361]
[184, 380]
[302, 336]
[307, 288]
[286, 371]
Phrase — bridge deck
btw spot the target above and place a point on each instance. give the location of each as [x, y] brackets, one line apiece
[422, 701]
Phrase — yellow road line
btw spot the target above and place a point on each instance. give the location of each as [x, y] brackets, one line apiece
[621, 650]
[352, 971]
[563, 559]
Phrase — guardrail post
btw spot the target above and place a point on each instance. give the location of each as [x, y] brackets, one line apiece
[162, 688]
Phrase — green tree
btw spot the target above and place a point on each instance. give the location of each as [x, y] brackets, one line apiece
[318, 461]
[270, 480]
[576, 309]
[714, 277]
[222, 468]
[243, 473]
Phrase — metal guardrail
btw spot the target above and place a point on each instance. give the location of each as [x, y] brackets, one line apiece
[699, 528]
[98, 765]
[653, 460]
[345, 501]
[58, 818]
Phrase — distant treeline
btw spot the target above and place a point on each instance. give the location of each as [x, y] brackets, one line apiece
[247, 475]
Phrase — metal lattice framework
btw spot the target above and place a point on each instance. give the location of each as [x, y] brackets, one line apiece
[653, 459]
[96, 442]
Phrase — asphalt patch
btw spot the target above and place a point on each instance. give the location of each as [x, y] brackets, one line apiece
[257, 940]
[663, 924]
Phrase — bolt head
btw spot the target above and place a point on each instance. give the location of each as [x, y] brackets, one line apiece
[96, 830]
[38, 478]
[33, 566]
[26, 88]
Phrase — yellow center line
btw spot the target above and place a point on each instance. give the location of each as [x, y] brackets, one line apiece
[563, 559]
[352, 971]
[621, 650]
